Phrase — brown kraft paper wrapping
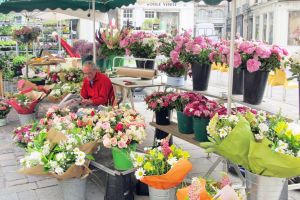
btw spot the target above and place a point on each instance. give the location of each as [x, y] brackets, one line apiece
[138, 73]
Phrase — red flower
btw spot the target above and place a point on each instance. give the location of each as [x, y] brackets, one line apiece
[92, 113]
[119, 127]
[79, 123]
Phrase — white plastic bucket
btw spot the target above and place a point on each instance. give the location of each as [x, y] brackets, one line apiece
[73, 189]
[157, 194]
[2, 122]
[26, 118]
[263, 188]
[175, 81]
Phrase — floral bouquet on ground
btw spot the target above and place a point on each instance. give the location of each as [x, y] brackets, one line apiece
[208, 190]
[23, 136]
[162, 168]
[26, 103]
[276, 151]
[177, 69]
[4, 109]
[229, 136]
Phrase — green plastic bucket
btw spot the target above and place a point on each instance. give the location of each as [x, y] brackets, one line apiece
[102, 64]
[119, 62]
[199, 126]
[121, 158]
[185, 123]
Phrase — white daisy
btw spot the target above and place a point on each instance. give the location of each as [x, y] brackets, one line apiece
[139, 173]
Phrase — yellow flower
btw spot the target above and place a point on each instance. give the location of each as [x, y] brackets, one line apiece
[148, 166]
[172, 147]
[160, 156]
[280, 127]
[170, 156]
[185, 155]
[289, 133]
[152, 152]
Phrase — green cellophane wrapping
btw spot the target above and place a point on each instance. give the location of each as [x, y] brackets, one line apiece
[235, 147]
[264, 161]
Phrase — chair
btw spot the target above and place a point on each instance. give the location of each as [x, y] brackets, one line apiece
[279, 78]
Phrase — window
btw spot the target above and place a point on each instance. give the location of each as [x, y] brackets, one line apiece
[257, 27]
[149, 14]
[127, 13]
[265, 17]
[271, 19]
[218, 14]
[128, 23]
[294, 28]
[202, 15]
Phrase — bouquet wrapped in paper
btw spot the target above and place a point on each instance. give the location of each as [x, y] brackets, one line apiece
[201, 189]
[164, 167]
[24, 136]
[230, 137]
[276, 149]
[26, 103]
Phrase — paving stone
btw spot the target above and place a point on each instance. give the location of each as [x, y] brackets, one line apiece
[35, 178]
[27, 195]
[2, 183]
[5, 163]
[9, 169]
[8, 156]
[18, 188]
[50, 193]
[16, 182]
[47, 183]
[13, 196]
[10, 176]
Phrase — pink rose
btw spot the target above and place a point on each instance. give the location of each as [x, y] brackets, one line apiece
[114, 141]
[253, 65]
[107, 142]
[122, 144]
[263, 51]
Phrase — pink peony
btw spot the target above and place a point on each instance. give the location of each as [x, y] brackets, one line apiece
[237, 59]
[247, 47]
[174, 56]
[263, 51]
[196, 49]
[253, 65]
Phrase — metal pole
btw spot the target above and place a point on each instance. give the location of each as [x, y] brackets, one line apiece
[231, 65]
[59, 39]
[94, 31]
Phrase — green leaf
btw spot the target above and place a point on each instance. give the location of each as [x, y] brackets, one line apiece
[90, 157]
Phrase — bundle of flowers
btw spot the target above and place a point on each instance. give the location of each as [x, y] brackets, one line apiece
[229, 136]
[180, 100]
[52, 113]
[140, 45]
[4, 109]
[59, 91]
[276, 151]
[25, 135]
[158, 101]
[208, 189]
[236, 110]
[203, 108]
[163, 167]
[25, 103]
[178, 69]
[258, 56]
[110, 39]
[72, 75]
[27, 34]
[122, 127]
[53, 77]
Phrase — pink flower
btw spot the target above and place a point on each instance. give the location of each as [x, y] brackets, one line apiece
[196, 49]
[174, 56]
[263, 51]
[122, 144]
[237, 59]
[253, 65]
[105, 125]
[107, 142]
[127, 52]
[114, 141]
[124, 43]
[247, 47]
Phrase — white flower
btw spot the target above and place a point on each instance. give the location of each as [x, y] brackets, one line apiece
[53, 164]
[259, 136]
[59, 170]
[60, 156]
[140, 172]
[263, 127]
[295, 128]
[172, 161]
[76, 150]
[81, 155]
[233, 119]
[282, 145]
[79, 161]
[223, 132]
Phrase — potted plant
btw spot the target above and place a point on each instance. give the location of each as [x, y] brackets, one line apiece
[27, 34]
[124, 128]
[109, 41]
[162, 169]
[201, 110]
[175, 72]
[159, 103]
[179, 102]
[4, 110]
[259, 60]
[141, 45]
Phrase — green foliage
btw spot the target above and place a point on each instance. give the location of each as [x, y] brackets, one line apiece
[202, 57]
[19, 61]
[6, 30]
[270, 64]
[140, 50]
[7, 43]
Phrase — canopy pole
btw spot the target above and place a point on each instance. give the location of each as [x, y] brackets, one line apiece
[231, 63]
[94, 31]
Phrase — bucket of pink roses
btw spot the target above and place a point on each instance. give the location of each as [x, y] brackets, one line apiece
[124, 129]
[201, 111]
[4, 110]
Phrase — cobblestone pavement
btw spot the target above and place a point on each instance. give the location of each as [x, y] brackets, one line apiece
[15, 186]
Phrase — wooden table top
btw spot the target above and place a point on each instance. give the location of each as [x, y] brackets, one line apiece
[138, 83]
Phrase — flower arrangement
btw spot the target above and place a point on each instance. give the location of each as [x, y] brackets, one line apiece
[180, 100]
[4, 109]
[52, 113]
[258, 56]
[109, 41]
[158, 101]
[203, 108]
[158, 161]
[173, 69]
[27, 34]
[122, 127]
[140, 45]
[25, 135]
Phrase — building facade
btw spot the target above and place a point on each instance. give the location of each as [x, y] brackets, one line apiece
[164, 17]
